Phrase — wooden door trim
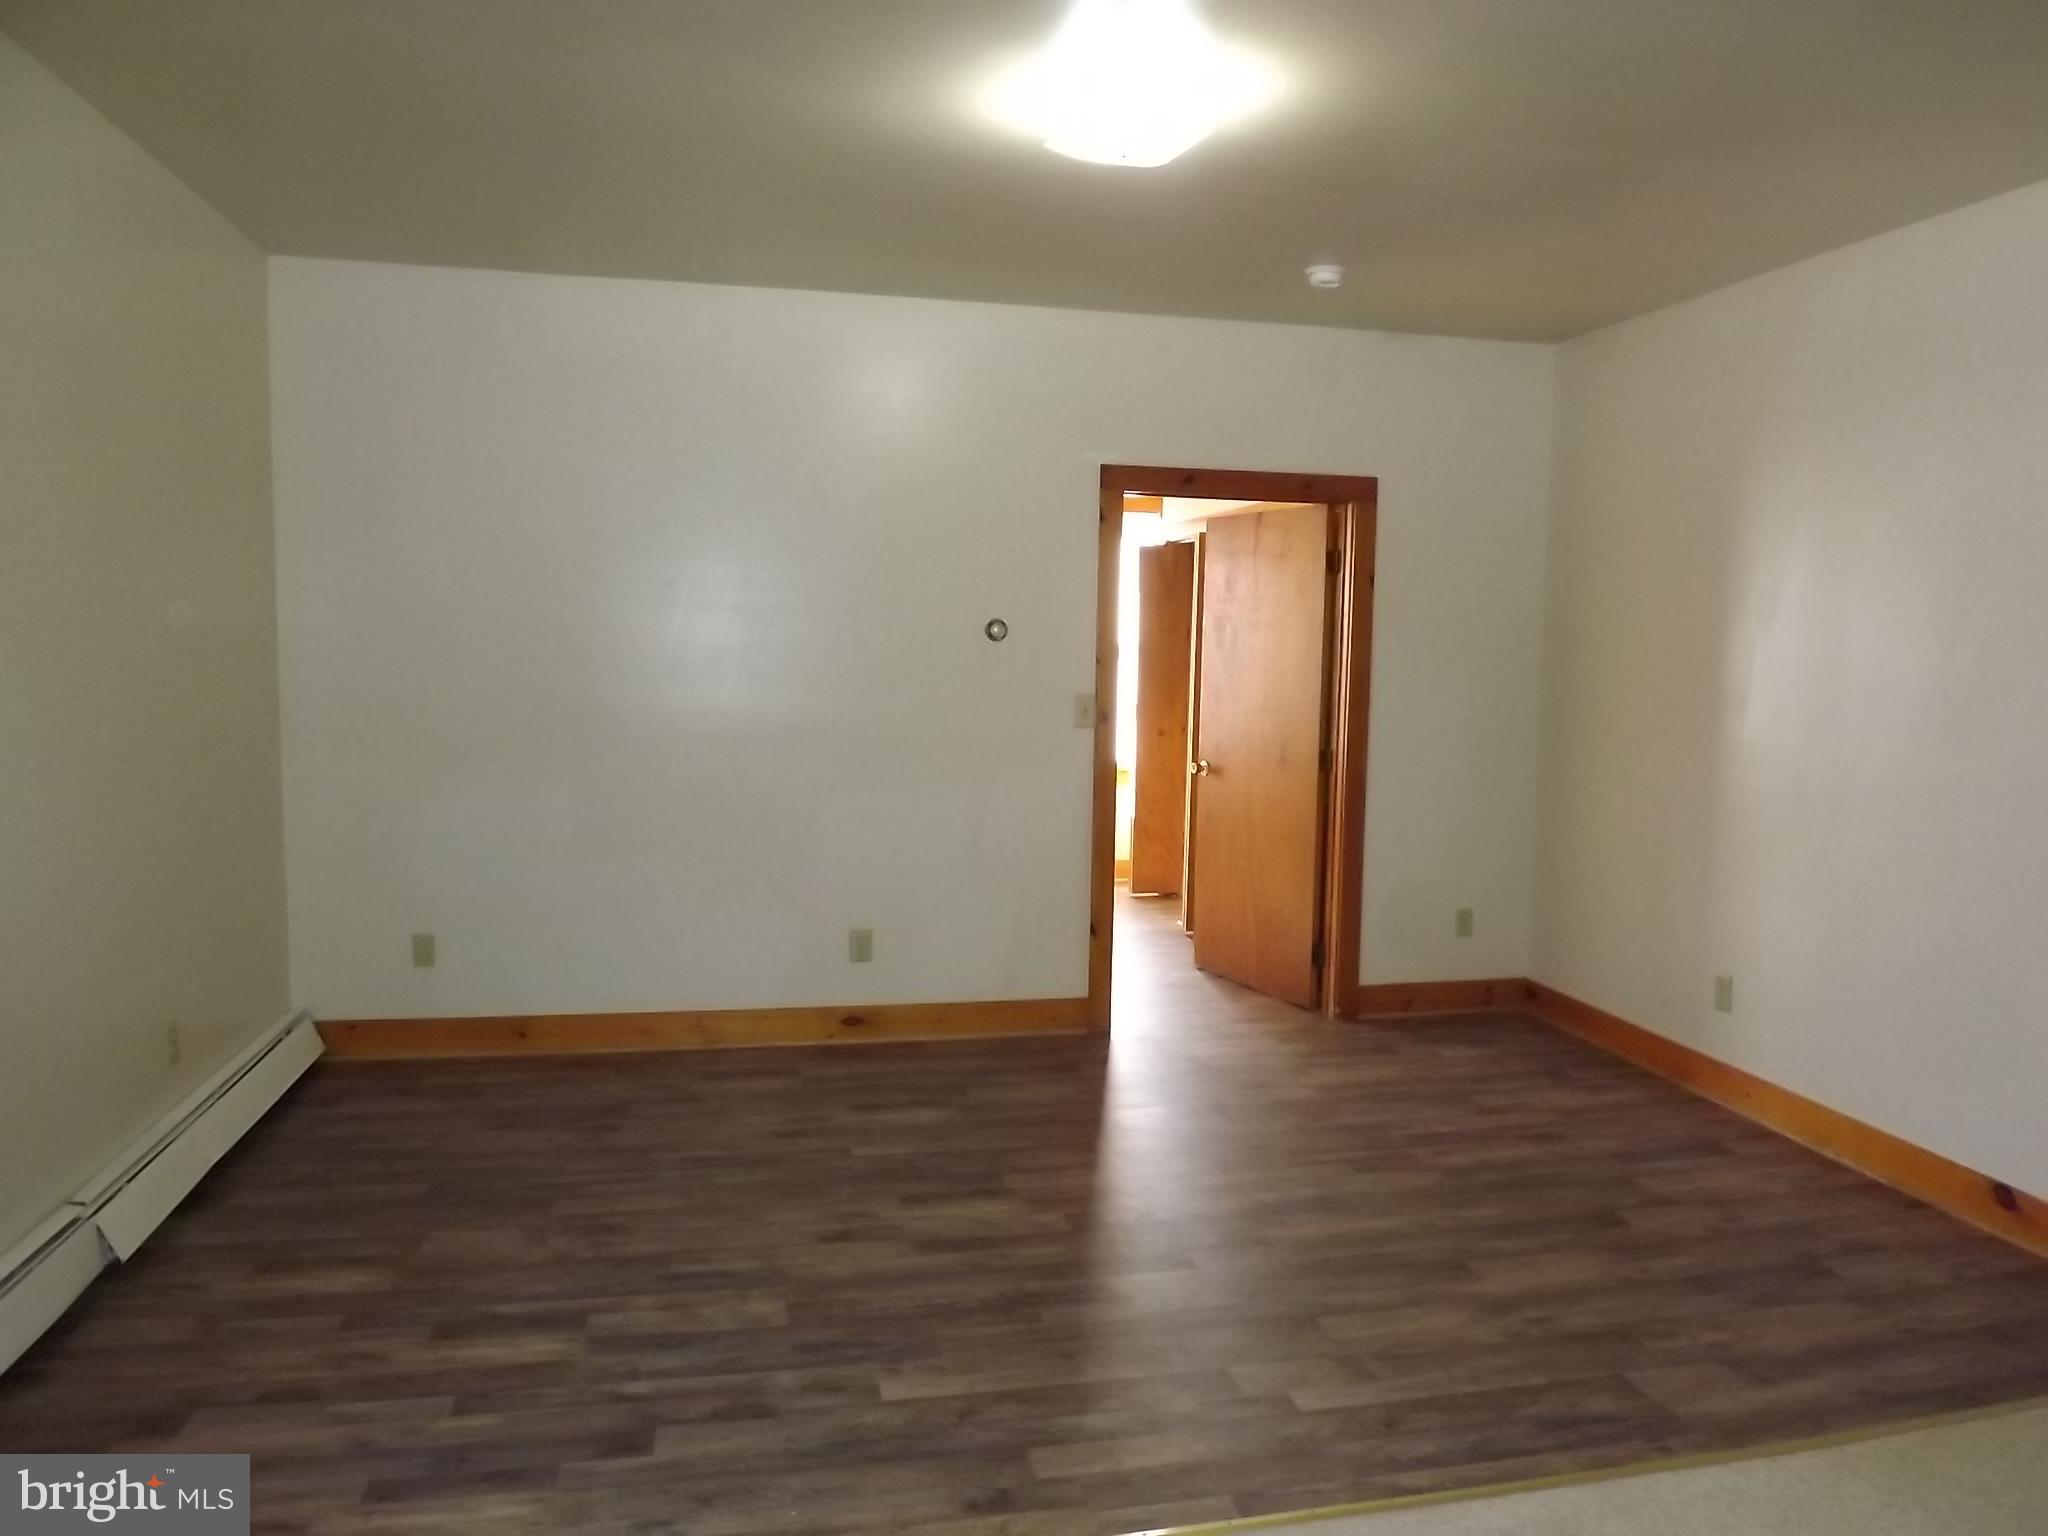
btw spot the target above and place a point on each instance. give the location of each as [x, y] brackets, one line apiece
[1187, 841]
[1356, 498]
[1239, 484]
[1351, 706]
[1109, 538]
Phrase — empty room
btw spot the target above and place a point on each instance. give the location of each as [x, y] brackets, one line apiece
[1024, 768]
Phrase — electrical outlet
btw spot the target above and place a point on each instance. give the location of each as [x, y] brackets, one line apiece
[860, 945]
[1724, 994]
[423, 951]
[1464, 922]
[173, 1044]
[1084, 711]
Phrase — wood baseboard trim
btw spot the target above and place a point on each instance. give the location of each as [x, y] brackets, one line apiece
[1962, 1192]
[1395, 999]
[701, 1030]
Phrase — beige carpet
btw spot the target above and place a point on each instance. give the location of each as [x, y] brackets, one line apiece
[1979, 1477]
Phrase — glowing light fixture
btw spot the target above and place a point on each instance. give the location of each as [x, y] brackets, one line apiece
[1131, 82]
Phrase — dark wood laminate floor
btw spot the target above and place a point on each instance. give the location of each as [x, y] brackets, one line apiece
[1240, 1261]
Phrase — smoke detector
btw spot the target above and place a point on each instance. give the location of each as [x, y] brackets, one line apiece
[1325, 274]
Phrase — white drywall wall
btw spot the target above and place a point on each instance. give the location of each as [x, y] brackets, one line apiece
[139, 800]
[1795, 724]
[632, 631]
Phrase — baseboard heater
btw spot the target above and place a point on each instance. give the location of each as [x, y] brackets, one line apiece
[109, 1219]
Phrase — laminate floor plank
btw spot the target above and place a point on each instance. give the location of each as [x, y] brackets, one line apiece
[1232, 1261]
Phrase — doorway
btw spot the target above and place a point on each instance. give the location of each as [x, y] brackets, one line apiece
[1231, 722]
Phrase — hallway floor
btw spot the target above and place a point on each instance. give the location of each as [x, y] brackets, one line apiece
[1235, 1259]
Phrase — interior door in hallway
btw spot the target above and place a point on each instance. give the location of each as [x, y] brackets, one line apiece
[1159, 777]
[1260, 796]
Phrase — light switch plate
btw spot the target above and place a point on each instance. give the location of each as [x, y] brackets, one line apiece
[1464, 922]
[1724, 994]
[423, 950]
[860, 945]
[1084, 711]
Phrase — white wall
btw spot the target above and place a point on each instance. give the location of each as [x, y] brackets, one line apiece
[632, 631]
[1794, 719]
[142, 879]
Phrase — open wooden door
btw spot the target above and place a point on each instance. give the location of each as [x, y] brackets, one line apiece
[1263, 711]
[1159, 779]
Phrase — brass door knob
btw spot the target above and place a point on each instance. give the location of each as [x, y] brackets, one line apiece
[1199, 767]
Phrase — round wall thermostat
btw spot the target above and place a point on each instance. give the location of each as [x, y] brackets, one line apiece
[995, 629]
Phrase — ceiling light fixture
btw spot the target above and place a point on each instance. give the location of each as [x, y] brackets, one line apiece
[1131, 82]
[1325, 274]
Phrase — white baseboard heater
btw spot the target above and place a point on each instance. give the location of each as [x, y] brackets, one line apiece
[115, 1213]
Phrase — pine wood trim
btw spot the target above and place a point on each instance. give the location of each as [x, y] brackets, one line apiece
[699, 1030]
[1395, 999]
[1962, 1192]
[1109, 539]
[1351, 721]
[1238, 484]
[1187, 845]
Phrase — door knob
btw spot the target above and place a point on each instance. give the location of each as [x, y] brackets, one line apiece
[1199, 767]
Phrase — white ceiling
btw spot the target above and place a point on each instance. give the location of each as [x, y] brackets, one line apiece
[1514, 168]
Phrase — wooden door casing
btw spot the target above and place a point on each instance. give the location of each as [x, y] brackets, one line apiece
[1187, 876]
